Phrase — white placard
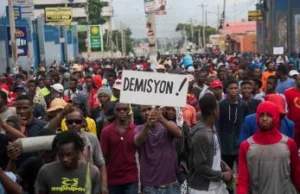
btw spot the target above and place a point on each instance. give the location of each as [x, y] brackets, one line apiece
[157, 89]
[278, 50]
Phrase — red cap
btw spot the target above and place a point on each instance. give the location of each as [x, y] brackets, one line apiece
[216, 83]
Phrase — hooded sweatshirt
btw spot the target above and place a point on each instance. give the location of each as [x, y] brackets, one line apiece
[268, 160]
[205, 158]
[230, 124]
[93, 100]
[286, 126]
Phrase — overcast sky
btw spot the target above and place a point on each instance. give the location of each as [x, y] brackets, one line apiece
[131, 14]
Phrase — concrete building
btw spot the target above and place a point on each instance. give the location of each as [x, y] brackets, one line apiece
[235, 36]
[45, 44]
[79, 9]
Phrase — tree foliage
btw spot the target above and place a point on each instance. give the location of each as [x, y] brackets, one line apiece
[116, 37]
[94, 11]
[197, 30]
[95, 18]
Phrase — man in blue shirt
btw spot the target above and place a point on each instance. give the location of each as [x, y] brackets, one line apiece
[250, 124]
[284, 82]
[187, 61]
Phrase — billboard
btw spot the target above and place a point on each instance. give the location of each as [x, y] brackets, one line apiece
[95, 36]
[27, 7]
[21, 40]
[58, 15]
[17, 12]
[255, 15]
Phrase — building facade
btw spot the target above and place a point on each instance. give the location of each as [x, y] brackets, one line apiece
[79, 9]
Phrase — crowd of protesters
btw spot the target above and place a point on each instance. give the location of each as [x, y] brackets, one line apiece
[238, 133]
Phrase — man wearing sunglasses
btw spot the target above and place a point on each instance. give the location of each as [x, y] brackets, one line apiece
[117, 143]
[92, 151]
[75, 121]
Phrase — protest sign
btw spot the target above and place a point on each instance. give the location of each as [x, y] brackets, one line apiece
[157, 89]
[278, 50]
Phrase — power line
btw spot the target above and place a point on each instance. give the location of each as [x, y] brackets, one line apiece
[242, 10]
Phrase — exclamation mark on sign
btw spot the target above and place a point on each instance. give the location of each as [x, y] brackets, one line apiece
[181, 85]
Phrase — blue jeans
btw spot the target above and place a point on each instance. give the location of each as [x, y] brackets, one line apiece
[171, 189]
[131, 188]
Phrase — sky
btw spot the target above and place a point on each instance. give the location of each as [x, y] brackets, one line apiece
[131, 14]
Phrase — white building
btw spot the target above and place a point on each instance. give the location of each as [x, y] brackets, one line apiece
[79, 9]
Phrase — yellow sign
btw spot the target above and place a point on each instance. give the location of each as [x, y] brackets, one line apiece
[58, 15]
[255, 15]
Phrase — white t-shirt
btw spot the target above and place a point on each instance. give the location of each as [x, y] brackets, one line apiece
[214, 187]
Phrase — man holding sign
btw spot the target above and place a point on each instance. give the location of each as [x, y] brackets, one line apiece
[155, 139]
[158, 157]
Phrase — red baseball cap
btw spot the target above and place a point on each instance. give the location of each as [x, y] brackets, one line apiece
[216, 84]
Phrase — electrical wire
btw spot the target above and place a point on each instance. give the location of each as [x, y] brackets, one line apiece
[242, 10]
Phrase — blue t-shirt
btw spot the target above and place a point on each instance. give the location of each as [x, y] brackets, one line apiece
[187, 61]
[283, 86]
[250, 127]
[12, 177]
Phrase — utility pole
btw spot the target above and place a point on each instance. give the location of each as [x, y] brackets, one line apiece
[204, 34]
[13, 43]
[199, 39]
[203, 25]
[117, 41]
[234, 10]
[123, 41]
[222, 21]
[192, 30]
[89, 30]
[218, 17]
[111, 42]
[151, 33]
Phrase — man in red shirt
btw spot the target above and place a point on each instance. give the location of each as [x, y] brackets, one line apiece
[118, 147]
[292, 96]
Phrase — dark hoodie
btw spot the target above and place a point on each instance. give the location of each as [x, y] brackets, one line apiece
[230, 123]
[268, 160]
[201, 158]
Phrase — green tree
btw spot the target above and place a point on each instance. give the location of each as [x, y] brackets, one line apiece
[197, 30]
[117, 40]
[95, 18]
[95, 9]
[81, 41]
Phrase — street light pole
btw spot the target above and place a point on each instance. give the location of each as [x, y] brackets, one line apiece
[13, 43]
[203, 25]
[88, 29]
